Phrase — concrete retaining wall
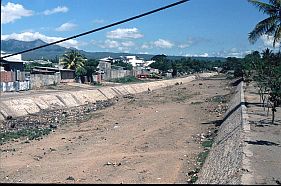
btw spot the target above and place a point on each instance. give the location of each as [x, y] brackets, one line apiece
[17, 106]
[224, 165]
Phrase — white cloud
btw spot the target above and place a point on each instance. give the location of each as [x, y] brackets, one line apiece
[66, 27]
[268, 41]
[59, 9]
[161, 43]
[192, 41]
[197, 55]
[31, 36]
[110, 44]
[124, 33]
[188, 43]
[184, 45]
[204, 55]
[122, 46]
[11, 12]
[145, 46]
[128, 44]
[233, 52]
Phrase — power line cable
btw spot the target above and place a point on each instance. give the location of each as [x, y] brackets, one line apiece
[101, 28]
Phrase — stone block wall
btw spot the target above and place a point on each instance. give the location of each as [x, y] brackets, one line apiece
[224, 162]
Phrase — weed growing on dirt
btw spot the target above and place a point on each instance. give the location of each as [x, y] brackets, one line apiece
[219, 99]
[128, 79]
[207, 143]
[29, 133]
[202, 156]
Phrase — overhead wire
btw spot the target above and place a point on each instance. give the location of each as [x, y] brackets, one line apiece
[98, 29]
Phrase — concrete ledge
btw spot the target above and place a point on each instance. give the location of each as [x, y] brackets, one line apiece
[67, 99]
[17, 106]
[40, 102]
[247, 178]
[108, 92]
[51, 100]
[129, 89]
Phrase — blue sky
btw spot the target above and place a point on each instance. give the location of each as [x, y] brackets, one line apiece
[195, 28]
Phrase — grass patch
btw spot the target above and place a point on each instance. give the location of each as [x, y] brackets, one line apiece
[219, 99]
[207, 143]
[127, 79]
[29, 133]
[202, 157]
[194, 178]
[96, 84]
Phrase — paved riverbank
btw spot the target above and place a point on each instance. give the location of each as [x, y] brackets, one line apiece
[263, 142]
[247, 148]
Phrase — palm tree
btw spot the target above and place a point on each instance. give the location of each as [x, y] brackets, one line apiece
[75, 61]
[269, 26]
[72, 60]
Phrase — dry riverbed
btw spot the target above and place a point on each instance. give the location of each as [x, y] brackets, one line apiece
[152, 137]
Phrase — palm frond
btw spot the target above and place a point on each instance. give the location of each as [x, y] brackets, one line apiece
[72, 60]
[261, 28]
[276, 3]
[264, 7]
[277, 36]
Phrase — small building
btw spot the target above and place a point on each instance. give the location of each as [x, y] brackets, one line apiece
[42, 62]
[218, 69]
[104, 69]
[12, 75]
[135, 61]
[107, 59]
[12, 68]
[13, 63]
[64, 73]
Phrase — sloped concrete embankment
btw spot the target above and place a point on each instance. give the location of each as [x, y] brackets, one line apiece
[225, 163]
[34, 103]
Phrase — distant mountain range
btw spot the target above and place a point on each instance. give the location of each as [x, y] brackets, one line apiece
[53, 51]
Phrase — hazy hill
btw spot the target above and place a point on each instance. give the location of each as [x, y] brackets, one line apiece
[50, 52]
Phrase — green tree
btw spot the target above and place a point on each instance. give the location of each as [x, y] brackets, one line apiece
[158, 58]
[29, 66]
[269, 26]
[90, 67]
[235, 64]
[273, 72]
[249, 63]
[260, 76]
[267, 76]
[161, 63]
[126, 66]
[74, 60]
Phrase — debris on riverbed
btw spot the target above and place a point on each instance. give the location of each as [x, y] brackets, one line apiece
[41, 123]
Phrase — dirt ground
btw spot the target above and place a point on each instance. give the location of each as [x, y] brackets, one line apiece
[264, 140]
[153, 137]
